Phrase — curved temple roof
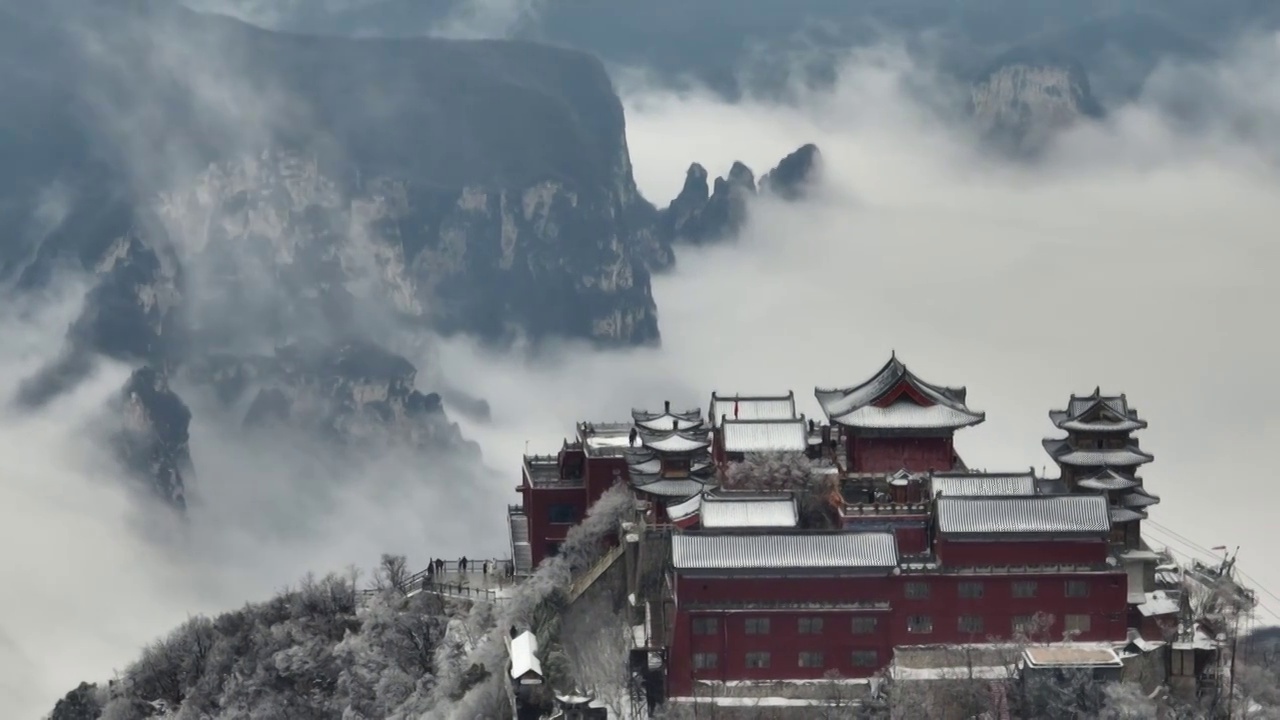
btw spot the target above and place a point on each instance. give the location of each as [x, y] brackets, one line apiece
[666, 421]
[1098, 413]
[1129, 456]
[859, 406]
[752, 407]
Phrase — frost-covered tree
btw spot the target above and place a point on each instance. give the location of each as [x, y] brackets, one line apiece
[817, 497]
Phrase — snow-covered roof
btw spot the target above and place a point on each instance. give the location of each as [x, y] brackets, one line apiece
[1065, 655]
[1039, 514]
[672, 488]
[1160, 602]
[524, 656]
[860, 406]
[748, 512]
[751, 436]
[677, 442]
[761, 552]
[1061, 450]
[1107, 479]
[752, 407]
[983, 484]
[684, 509]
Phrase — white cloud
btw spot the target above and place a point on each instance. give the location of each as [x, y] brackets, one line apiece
[1138, 256]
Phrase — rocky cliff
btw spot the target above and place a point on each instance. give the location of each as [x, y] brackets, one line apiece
[1021, 103]
[705, 213]
[152, 440]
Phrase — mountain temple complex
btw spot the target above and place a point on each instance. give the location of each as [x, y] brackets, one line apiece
[798, 549]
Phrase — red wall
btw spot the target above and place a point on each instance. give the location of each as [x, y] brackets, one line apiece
[1105, 605]
[537, 506]
[890, 454]
[965, 553]
[600, 475]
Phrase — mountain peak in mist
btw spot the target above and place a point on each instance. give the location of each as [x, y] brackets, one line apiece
[703, 214]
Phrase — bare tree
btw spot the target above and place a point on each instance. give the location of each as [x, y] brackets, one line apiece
[392, 574]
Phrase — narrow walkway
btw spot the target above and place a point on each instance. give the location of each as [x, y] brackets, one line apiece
[474, 584]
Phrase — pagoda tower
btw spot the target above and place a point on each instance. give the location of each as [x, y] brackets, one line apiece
[1100, 455]
[897, 421]
[669, 458]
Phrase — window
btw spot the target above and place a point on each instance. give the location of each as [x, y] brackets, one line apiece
[970, 624]
[757, 626]
[757, 659]
[970, 589]
[1077, 588]
[562, 514]
[1023, 624]
[675, 467]
[705, 625]
[864, 625]
[1076, 623]
[865, 658]
[917, 590]
[553, 549]
[919, 624]
[810, 626]
[1024, 588]
[811, 660]
[705, 661]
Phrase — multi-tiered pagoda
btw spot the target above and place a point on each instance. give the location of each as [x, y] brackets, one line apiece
[1100, 454]
[670, 454]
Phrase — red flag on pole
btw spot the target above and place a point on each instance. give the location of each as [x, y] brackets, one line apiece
[735, 409]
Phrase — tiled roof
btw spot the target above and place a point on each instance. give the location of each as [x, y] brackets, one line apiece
[752, 407]
[751, 436]
[676, 442]
[843, 405]
[684, 509]
[750, 512]
[1098, 413]
[667, 421]
[1062, 451]
[906, 414]
[1107, 479]
[1160, 602]
[682, 488]
[768, 552]
[1124, 515]
[1040, 514]
[983, 484]
[1139, 499]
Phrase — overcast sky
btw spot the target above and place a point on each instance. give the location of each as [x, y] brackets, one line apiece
[1138, 257]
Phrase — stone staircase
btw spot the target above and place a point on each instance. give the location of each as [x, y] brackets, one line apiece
[521, 552]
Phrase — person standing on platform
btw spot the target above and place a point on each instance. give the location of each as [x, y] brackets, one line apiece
[431, 569]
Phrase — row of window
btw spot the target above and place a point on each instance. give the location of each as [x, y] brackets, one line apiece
[866, 625]
[923, 624]
[976, 589]
[811, 659]
[762, 625]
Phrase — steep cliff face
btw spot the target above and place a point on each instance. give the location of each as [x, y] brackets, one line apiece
[482, 187]
[1020, 104]
[355, 394]
[152, 440]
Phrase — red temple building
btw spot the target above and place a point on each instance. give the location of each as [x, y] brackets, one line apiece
[862, 534]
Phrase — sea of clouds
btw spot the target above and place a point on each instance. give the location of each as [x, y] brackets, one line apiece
[1136, 255]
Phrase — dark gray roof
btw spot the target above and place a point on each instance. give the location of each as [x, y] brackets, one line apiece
[855, 406]
[1038, 515]
[1107, 479]
[1138, 499]
[1063, 453]
[1124, 515]
[1098, 413]
[784, 552]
